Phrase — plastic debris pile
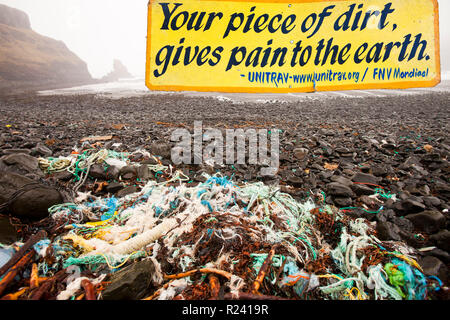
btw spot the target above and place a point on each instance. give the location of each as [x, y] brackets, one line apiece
[212, 240]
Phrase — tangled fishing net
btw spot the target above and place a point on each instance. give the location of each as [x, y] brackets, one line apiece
[256, 238]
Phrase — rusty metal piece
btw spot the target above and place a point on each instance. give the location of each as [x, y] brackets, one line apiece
[15, 270]
[262, 272]
[214, 285]
[89, 289]
[251, 296]
[34, 279]
[22, 251]
[204, 270]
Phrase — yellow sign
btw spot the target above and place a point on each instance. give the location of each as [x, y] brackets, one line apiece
[292, 46]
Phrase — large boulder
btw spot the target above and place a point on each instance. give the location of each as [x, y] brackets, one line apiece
[25, 198]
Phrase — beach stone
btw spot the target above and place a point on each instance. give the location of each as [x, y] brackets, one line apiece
[403, 223]
[34, 203]
[114, 187]
[112, 173]
[343, 201]
[97, 171]
[15, 151]
[131, 283]
[342, 180]
[41, 151]
[432, 201]
[438, 253]
[21, 163]
[365, 178]
[360, 190]
[432, 266]
[143, 172]
[128, 172]
[442, 240]
[34, 200]
[63, 175]
[337, 189]
[385, 215]
[300, 153]
[161, 149]
[427, 221]
[126, 191]
[412, 206]
[387, 231]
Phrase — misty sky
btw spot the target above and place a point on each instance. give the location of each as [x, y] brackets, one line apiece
[99, 31]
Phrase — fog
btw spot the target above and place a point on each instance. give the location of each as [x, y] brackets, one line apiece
[99, 31]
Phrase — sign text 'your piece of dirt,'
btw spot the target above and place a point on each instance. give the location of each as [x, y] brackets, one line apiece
[292, 46]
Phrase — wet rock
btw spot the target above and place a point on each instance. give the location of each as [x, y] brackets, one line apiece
[150, 161]
[432, 201]
[442, 240]
[143, 172]
[403, 223]
[342, 201]
[438, 253]
[34, 203]
[114, 187]
[427, 221]
[385, 215]
[128, 172]
[21, 163]
[412, 206]
[342, 180]
[112, 173]
[368, 201]
[301, 153]
[337, 189]
[131, 283]
[295, 181]
[97, 172]
[41, 151]
[325, 175]
[63, 175]
[379, 170]
[14, 151]
[360, 189]
[432, 266]
[126, 191]
[161, 149]
[387, 231]
[365, 178]
[10, 183]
